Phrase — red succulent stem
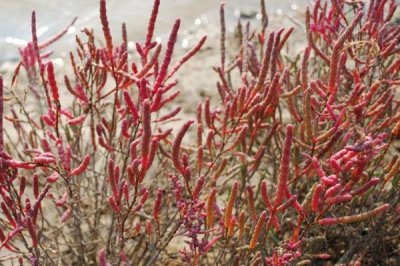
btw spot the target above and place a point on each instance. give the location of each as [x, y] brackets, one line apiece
[168, 55]
[175, 153]
[336, 52]
[152, 22]
[284, 168]
[106, 28]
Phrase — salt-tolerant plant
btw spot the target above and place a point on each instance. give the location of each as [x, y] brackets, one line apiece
[294, 163]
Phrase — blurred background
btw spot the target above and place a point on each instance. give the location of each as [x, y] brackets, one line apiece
[197, 16]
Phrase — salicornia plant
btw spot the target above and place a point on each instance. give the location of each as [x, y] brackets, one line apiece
[293, 162]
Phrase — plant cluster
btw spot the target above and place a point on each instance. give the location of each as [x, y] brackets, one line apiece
[293, 164]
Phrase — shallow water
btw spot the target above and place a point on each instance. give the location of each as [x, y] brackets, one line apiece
[54, 15]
